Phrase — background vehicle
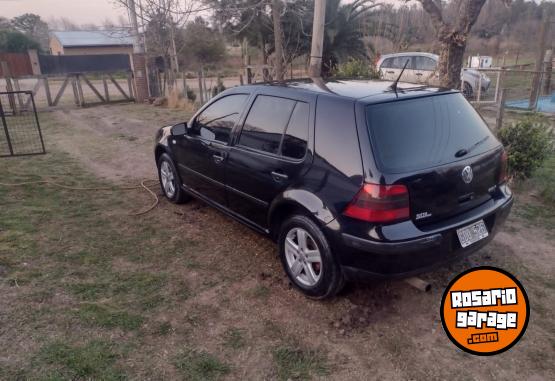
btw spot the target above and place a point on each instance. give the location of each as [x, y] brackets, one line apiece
[352, 179]
[422, 69]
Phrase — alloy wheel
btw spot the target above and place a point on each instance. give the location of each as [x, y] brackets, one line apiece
[303, 257]
[168, 179]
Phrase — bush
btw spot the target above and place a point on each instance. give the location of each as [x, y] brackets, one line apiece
[544, 180]
[528, 142]
[190, 94]
[356, 69]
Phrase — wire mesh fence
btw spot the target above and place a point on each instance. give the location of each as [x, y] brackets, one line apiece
[20, 132]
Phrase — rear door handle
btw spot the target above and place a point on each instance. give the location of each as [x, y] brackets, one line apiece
[390, 72]
[218, 158]
[419, 74]
[279, 176]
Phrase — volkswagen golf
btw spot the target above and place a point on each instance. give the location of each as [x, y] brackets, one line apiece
[352, 179]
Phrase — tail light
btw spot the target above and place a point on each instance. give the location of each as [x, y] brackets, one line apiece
[503, 175]
[380, 203]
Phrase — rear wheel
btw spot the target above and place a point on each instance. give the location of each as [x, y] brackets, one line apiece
[467, 90]
[170, 181]
[307, 258]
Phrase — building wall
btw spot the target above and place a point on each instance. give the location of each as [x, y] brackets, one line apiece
[55, 47]
[98, 50]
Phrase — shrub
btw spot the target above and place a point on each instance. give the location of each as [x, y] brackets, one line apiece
[528, 142]
[218, 88]
[544, 180]
[356, 69]
[190, 94]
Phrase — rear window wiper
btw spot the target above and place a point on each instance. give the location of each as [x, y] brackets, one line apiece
[465, 151]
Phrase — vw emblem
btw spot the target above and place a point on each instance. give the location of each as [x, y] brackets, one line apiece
[467, 174]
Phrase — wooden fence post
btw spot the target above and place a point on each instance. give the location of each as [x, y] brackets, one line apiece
[201, 91]
[47, 90]
[106, 91]
[548, 68]
[500, 110]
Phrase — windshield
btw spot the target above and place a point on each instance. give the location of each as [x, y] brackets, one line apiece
[425, 132]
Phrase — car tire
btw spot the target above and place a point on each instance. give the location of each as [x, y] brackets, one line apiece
[300, 242]
[170, 180]
[468, 92]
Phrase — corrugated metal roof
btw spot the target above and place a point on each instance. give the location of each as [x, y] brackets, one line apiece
[94, 38]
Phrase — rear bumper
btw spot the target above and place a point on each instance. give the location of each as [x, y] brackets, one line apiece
[366, 258]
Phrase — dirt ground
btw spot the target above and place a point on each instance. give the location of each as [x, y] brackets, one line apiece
[240, 307]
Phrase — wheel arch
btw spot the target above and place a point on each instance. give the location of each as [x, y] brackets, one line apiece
[297, 202]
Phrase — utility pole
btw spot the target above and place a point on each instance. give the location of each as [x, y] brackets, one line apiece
[137, 45]
[278, 39]
[138, 59]
[316, 51]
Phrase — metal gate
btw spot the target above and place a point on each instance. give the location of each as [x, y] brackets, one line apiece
[20, 132]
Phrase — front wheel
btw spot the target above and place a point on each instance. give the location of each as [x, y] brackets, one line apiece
[169, 180]
[307, 258]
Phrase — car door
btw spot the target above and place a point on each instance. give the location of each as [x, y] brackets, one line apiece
[269, 154]
[388, 70]
[409, 75]
[202, 151]
[425, 70]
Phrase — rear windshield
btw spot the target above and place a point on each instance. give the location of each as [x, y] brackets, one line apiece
[425, 132]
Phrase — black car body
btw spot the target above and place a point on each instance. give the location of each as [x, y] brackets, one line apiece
[387, 175]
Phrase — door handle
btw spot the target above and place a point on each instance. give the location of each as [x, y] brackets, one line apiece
[218, 158]
[279, 176]
[419, 74]
[390, 72]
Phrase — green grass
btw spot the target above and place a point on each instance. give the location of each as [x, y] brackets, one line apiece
[295, 363]
[93, 360]
[109, 317]
[200, 366]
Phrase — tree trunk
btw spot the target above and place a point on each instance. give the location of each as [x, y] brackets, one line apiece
[278, 40]
[450, 62]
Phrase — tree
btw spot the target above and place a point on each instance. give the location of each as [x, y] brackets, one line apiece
[453, 36]
[202, 45]
[32, 26]
[16, 42]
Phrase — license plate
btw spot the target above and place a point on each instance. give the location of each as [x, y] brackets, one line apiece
[472, 233]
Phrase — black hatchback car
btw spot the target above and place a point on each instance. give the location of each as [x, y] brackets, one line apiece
[353, 179]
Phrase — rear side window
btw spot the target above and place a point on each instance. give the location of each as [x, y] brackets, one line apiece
[296, 135]
[217, 120]
[266, 122]
[425, 63]
[422, 133]
[278, 126]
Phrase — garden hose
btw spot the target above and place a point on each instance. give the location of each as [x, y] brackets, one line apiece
[142, 185]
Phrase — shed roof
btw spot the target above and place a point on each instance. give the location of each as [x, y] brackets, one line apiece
[83, 38]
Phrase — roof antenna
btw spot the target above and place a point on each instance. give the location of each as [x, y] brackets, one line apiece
[394, 84]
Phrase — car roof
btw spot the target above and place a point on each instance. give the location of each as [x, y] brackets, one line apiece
[405, 54]
[370, 91]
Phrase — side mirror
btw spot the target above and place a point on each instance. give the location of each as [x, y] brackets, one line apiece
[179, 129]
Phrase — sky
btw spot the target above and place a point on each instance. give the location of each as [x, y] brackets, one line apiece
[78, 11]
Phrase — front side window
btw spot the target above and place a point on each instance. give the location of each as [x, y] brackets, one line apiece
[266, 123]
[217, 120]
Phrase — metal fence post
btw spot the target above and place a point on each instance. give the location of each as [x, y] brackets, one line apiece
[6, 131]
